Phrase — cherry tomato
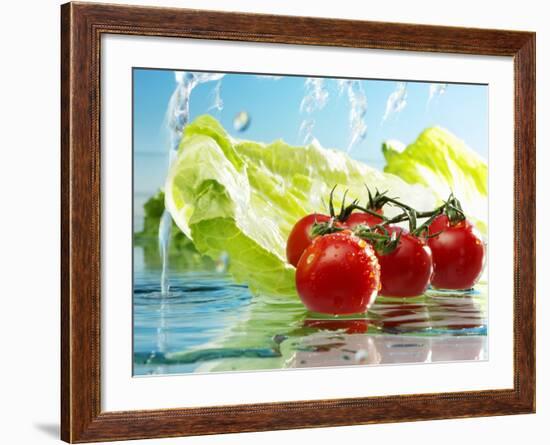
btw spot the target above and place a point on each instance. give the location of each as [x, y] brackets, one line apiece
[338, 274]
[367, 219]
[458, 254]
[406, 271]
[300, 236]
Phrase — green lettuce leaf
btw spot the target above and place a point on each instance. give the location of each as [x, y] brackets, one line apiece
[444, 163]
[241, 198]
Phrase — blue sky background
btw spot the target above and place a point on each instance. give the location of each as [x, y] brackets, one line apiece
[274, 108]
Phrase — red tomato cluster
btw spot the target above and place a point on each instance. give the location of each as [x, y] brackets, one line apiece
[343, 262]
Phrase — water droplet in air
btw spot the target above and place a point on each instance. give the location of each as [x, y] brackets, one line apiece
[241, 121]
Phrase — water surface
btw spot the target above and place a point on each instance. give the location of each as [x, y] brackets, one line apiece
[208, 323]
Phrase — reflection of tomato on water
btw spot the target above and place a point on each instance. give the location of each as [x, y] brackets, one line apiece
[461, 312]
[349, 326]
[401, 315]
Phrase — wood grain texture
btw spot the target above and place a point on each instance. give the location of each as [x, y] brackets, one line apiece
[81, 28]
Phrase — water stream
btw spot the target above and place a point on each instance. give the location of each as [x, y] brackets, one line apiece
[177, 117]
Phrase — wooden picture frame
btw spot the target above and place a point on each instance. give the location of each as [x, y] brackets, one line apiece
[82, 26]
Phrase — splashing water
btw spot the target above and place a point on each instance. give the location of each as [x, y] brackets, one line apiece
[316, 95]
[269, 77]
[315, 98]
[222, 263]
[397, 100]
[165, 232]
[217, 102]
[306, 130]
[437, 90]
[177, 117]
[358, 109]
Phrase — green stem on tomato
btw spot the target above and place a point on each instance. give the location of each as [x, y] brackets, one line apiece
[451, 208]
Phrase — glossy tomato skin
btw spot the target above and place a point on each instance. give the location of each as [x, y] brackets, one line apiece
[458, 254]
[338, 274]
[406, 271]
[361, 218]
[300, 236]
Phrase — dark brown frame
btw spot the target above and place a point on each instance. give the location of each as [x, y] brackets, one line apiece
[81, 28]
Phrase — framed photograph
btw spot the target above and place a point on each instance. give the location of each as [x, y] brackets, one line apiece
[274, 222]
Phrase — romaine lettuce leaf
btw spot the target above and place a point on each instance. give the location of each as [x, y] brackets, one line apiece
[444, 163]
[241, 198]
